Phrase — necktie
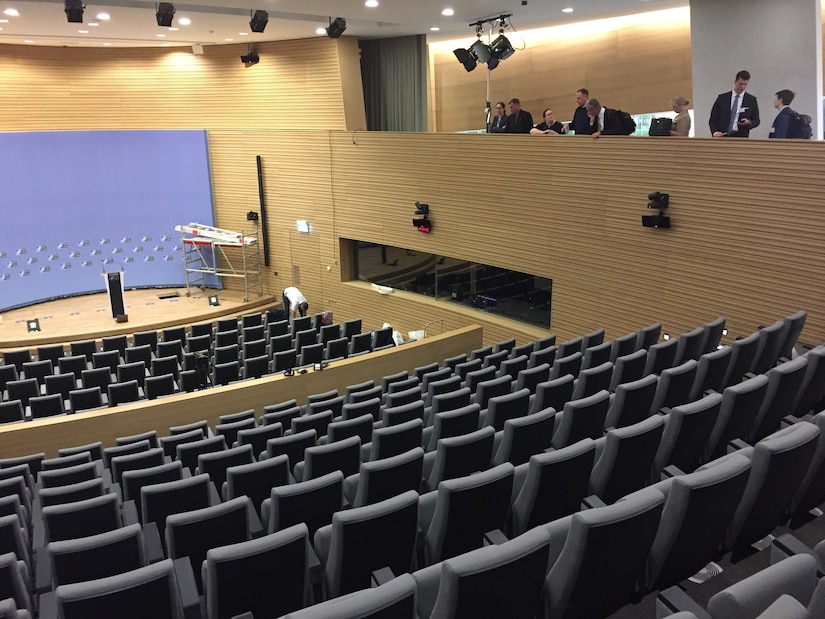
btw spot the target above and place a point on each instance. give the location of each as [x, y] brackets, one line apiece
[734, 114]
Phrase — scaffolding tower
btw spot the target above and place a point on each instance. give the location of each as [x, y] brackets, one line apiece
[209, 250]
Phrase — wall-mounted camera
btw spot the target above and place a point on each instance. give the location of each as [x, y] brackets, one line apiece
[423, 223]
[658, 200]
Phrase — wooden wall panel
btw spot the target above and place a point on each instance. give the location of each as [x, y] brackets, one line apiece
[300, 84]
[636, 66]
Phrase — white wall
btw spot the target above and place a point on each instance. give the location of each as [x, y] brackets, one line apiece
[778, 41]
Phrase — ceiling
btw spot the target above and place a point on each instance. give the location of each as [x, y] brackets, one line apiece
[132, 23]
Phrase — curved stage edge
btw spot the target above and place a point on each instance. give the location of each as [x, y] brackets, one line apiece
[105, 425]
[89, 316]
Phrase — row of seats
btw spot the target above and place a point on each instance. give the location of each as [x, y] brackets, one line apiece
[650, 538]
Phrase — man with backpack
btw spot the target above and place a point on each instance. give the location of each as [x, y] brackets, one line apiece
[789, 124]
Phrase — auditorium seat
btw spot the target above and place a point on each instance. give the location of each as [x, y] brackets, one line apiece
[8, 373]
[157, 386]
[124, 392]
[378, 480]
[226, 338]
[51, 352]
[452, 422]
[631, 403]
[343, 455]
[46, 406]
[160, 500]
[690, 345]
[143, 353]
[686, 434]
[395, 598]
[121, 450]
[95, 450]
[522, 437]
[284, 416]
[351, 328]
[17, 358]
[458, 456]
[740, 403]
[115, 342]
[553, 394]
[11, 411]
[623, 345]
[593, 380]
[742, 355]
[566, 365]
[68, 475]
[188, 452]
[38, 370]
[628, 368]
[256, 479]
[66, 460]
[713, 334]
[132, 481]
[172, 348]
[648, 336]
[580, 419]
[164, 365]
[215, 463]
[531, 378]
[23, 390]
[784, 382]
[255, 367]
[771, 339]
[596, 355]
[132, 371]
[392, 440]
[312, 502]
[81, 518]
[812, 391]
[542, 355]
[660, 356]
[793, 327]
[136, 461]
[71, 493]
[710, 373]
[674, 386]
[150, 338]
[291, 445]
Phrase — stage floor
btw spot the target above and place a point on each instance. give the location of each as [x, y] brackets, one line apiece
[90, 316]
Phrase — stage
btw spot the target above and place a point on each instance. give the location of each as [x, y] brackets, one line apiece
[90, 317]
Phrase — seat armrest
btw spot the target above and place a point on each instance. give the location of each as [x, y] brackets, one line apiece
[187, 588]
[38, 533]
[674, 599]
[129, 513]
[214, 496]
[253, 521]
[789, 420]
[495, 537]
[786, 546]
[748, 375]
[381, 576]
[671, 471]
[48, 606]
[42, 571]
[592, 501]
[152, 544]
[665, 410]
[737, 444]
[316, 570]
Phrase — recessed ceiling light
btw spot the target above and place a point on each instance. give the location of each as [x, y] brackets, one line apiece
[103, 16]
[4, 21]
[165, 44]
[448, 12]
[12, 12]
[83, 31]
[184, 21]
[107, 45]
[229, 39]
[567, 10]
[435, 28]
[28, 41]
[92, 24]
[160, 36]
[243, 34]
[173, 29]
[320, 31]
[371, 4]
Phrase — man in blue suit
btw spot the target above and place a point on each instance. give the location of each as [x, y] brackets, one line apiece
[498, 124]
[782, 123]
[735, 112]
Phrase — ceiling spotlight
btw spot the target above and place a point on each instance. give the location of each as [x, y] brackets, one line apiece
[371, 4]
[500, 49]
[259, 21]
[320, 30]
[336, 27]
[481, 51]
[103, 16]
[165, 14]
[74, 11]
[250, 59]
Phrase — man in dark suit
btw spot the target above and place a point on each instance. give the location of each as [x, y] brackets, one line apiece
[519, 120]
[603, 120]
[498, 124]
[580, 125]
[782, 123]
[735, 113]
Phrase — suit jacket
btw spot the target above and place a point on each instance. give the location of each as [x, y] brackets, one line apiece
[520, 122]
[782, 124]
[720, 114]
[498, 124]
[612, 122]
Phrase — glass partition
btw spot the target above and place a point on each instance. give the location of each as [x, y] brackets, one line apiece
[517, 295]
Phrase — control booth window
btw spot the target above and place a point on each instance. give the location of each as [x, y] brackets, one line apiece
[513, 294]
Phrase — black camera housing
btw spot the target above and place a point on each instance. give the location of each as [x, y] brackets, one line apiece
[658, 200]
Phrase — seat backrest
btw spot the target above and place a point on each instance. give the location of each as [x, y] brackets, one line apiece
[343, 455]
[462, 455]
[451, 423]
[318, 422]
[713, 334]
[215, 463]
[616, 538]
[474, 377]
[743, 352]
[157, 501]
[150, 591]
[490, 389]
[793, 327]
[365, 394]
[570, 364]
[661, 356]
[256, 479]
[626, 459]
[495, 581]
[312, 502]
[121, 393]
[582, 418]
[648, 336]
[509, 406]
[631, 403]
[674, 386]
[229, 430]
[396, 598]
[554, 485]
[553, 393]
[292, 445]
[690, 345]
[812, 391]
[282, 416]
[686, 434]
[542, 355]
[532, 377]
[740, 404]
[238, 577]
[382, 479]
[624, 345]
[140, 460]
[570, 347]
[11, 411]
[192, 533]
[81, 518]
[524, 436]
[69, 475]
[359, 426]
[784, 382]
[258, 436]
[70, 493]
[97, 556]
[392, 440]
[628, 368]
[394, 415]
[188, 452]
[593, 380]
[696, 513]
[711, 372]
[332, 404]
[371, 407]
[368, 538]
[771, 339]
[134, 480]
[457, 524]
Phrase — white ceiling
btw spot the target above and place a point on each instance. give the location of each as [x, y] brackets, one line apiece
[133, 23]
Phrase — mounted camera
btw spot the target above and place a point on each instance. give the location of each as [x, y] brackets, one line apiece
[658, 200]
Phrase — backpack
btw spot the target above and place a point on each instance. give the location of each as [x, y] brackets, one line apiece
[800, 126]
[628, 124]
[660, 126]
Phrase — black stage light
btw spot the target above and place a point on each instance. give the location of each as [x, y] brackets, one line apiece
[259, 21]
[250, 59]
[337, 27]
[501, 48]
[74, 11]
[213, 300]
[165, 14]
[658, 200]
[465, 58]
[481, 51]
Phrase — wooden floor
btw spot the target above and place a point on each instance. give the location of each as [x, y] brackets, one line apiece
[90, 317]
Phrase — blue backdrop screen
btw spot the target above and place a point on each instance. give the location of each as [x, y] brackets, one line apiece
[76, 203]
